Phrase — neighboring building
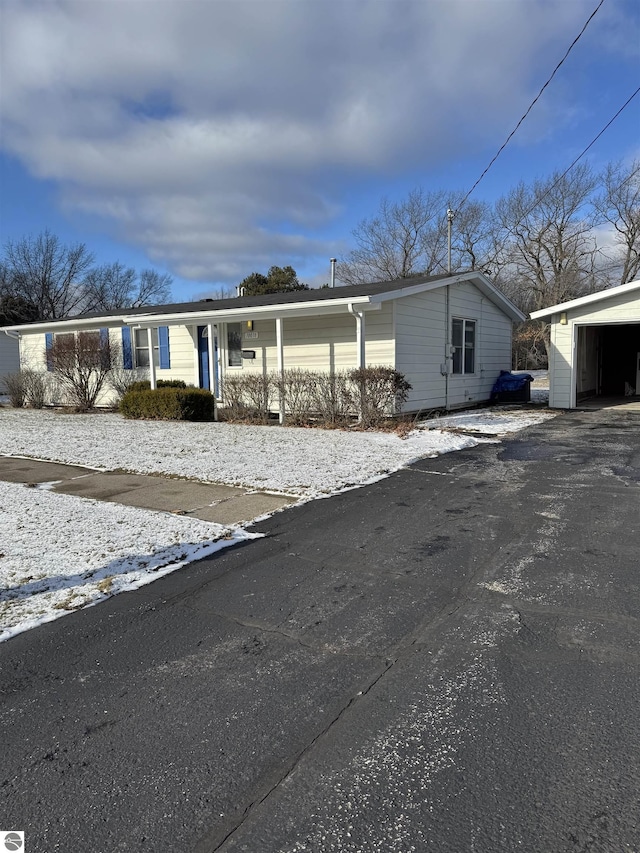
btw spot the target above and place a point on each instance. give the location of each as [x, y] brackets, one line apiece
[449, 335]
[9, 358]
[595, 346]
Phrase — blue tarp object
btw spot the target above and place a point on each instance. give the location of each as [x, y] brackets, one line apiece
[510, 383]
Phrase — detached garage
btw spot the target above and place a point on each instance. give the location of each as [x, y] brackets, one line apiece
[595, 347]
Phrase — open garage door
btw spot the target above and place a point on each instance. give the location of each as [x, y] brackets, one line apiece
[608, 361]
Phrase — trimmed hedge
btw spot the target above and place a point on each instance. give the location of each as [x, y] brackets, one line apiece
[169, 404]
[145, 384]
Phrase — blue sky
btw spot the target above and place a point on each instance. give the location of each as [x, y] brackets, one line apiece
[213, 138]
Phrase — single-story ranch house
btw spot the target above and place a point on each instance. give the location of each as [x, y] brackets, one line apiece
[450, 335]
[595, 346]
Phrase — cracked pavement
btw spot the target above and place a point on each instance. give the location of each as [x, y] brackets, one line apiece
[431, 662]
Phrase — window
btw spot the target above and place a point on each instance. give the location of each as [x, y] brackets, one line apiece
[463, 339]
[84, 350]
[234, 344]
[160, 344]
[141, 347]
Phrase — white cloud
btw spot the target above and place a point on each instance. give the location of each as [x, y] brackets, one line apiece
[216, 135]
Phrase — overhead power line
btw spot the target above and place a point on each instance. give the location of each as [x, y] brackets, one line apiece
[579, 157]
[533, 103]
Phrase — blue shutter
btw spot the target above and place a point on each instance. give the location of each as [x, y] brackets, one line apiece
[163, 346]
[48, 342]
[127, 354]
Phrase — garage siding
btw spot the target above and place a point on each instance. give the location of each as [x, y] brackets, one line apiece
[560, 365]
[619, 308]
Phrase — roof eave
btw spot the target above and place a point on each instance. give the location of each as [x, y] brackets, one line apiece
[599, 296]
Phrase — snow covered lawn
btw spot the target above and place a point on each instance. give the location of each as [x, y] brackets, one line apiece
[60, 552]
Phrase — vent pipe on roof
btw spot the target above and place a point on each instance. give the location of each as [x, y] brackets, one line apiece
[332, 282]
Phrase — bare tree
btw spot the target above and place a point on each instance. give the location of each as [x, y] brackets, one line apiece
[474, 238]
[81, 364]
[113, 286]
[109, 287]
[619, 205]
[13, 308]
[548, 250]
[48, 274]
[405, 238]
[152, 288]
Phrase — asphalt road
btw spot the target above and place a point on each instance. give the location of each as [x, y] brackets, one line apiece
[447, 660]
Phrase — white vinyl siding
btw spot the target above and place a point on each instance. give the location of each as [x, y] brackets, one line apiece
[421, 346]
[326, 343]
[420, 323]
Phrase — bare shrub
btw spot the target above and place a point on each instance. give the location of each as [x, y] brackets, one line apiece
[81, 364]
[332, 399]
[258, 390]
[121, 379]
[296, 390]
[16, 388]
[37, 388]
[369, 394]
[27, 387]
[235, 408]
[381, 392]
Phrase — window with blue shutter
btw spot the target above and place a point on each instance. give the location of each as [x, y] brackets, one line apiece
[48, 342]
[127, 353]
[163, 346]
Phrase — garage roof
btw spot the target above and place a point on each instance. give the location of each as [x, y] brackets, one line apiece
[600, 296]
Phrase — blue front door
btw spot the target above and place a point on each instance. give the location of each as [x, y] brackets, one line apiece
[203, 358]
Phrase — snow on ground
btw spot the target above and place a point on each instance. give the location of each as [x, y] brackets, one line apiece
[61, 552]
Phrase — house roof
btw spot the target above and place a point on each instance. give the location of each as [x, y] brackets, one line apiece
[600, 296]
[297, 303]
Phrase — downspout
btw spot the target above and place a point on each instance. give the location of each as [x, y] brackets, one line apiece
[360, 335]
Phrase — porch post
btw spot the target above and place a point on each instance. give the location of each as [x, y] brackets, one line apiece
[280, 352]
[152, 366]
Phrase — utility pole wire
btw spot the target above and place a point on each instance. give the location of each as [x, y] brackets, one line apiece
[579, 157]
[533, 103]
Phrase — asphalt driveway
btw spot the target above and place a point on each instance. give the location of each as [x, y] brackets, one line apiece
[446, 660]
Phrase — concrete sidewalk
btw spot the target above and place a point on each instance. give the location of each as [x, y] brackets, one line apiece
[207, 501]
